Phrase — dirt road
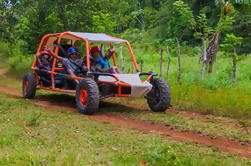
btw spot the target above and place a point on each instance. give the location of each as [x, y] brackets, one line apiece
[67, 103]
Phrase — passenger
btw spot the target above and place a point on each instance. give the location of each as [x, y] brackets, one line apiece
[102, 64]
[44, 60]
[73, 64]
[108, 55]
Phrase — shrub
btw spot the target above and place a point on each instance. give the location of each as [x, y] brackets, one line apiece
[18, 62]
[18, 65]
[4, 52]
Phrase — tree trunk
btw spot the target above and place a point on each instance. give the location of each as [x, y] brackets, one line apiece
[169, 60]
[212, 50]
[178, 59]
[141, 65]
[213, 45]
[160, 64]
[204, 55]
[234, 65]
[121, 60]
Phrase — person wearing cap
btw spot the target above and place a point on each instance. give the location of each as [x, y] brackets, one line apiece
[72, 63]
[44, 60]
[102, 64]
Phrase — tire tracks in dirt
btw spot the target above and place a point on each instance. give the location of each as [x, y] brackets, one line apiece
[184, 114]
[224, 145]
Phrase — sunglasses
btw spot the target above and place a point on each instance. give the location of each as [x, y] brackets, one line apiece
[74, 53]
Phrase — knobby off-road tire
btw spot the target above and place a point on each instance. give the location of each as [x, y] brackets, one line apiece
[159, 98]
[29, 86]
[87, 96]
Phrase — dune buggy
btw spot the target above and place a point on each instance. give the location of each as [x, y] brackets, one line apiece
[93, 86]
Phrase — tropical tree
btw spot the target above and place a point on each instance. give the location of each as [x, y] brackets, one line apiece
[202, 31]
[230, 44]
[9, 10]
[186, 19]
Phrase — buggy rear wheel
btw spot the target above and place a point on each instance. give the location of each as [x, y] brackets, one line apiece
[29, 86]
[87, 96]
[159, 98]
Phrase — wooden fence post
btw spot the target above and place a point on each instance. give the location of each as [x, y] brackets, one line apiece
[160, 65]
[169, 60]
[121, 60]
[133, 68]
[178, 43]
[141, 65]
[234, 65]
[204, 56]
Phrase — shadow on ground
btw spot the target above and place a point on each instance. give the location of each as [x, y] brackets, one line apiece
[69, 101]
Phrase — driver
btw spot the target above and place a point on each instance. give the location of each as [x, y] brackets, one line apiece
[72, 64]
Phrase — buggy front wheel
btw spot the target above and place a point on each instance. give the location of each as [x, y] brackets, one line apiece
[159, 97]
[29, 86]
[87, 96]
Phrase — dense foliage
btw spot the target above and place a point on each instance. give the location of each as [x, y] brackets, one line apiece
[153, 21]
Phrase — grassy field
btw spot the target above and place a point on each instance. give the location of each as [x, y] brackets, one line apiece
[31, 135]
[207, 125]
[215, 94]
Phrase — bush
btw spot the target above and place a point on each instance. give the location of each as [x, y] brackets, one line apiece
[17, 62]
[4, 48]
[4, 52]
[19, 65]
[191, 51]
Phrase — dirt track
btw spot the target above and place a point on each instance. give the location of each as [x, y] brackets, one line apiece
[224, 145]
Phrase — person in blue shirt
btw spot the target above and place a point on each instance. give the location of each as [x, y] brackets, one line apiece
[102, 63]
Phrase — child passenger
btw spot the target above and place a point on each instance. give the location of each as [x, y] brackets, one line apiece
[44, 60]
[102, 63]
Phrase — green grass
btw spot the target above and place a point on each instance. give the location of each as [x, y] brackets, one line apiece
[211, 125]
[10, 82]
[66, 138]
[215, 94]
[233, 102]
